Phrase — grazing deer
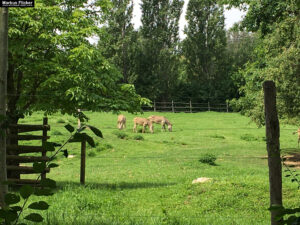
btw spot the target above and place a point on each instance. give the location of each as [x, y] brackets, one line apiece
[121, 122]
[161, 120]
[143, 122]
[298, 132]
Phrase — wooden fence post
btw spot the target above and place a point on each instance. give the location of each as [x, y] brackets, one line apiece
[273, 148]
[173, 107]
[82, 164]
[208, 105]
[154, 105]
[191, 110]
[227, 107]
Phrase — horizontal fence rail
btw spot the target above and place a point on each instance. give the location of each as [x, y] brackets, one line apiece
[187, 107]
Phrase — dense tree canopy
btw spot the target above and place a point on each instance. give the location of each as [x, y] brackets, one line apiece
[52, 65]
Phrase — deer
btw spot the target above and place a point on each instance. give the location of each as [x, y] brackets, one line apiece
[298, 132]
[161, 120]
[121, 122]
[143, 122]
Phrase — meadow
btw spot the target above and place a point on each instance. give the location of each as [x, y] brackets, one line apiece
[147, 178]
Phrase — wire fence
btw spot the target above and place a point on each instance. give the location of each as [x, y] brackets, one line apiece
[187, 107]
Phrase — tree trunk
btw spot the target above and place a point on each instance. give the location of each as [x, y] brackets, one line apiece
[3, 95]
[274, 159]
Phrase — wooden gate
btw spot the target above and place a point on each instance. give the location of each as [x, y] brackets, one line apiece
[16, 153]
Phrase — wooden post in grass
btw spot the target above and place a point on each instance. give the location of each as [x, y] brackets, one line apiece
[154, 106]
[227, 107]
[45, 130]
[82, 164]
[191, 110]
[208, 105]
[273, 148]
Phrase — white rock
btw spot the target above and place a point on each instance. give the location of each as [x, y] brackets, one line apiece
[201, 180]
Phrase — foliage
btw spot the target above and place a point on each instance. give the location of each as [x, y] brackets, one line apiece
[53, 67]
[208, 158]
[204, 50]
[138, 137]
[157, 58]
[10, 214]
[120, 134]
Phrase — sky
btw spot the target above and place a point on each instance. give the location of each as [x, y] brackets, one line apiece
[231, 16]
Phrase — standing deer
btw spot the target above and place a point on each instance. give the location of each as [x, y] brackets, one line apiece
[143, 122]
[121, 122]
[161, 120]
[298, 132]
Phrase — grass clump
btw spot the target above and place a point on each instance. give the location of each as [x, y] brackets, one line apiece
[248, 137]
[60, 120]
[56, 132]
[138, 138]
[120, 134]
[91, 153]
[208, 158]
[217, 136]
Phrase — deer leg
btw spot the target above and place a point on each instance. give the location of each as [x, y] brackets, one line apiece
[134, 128]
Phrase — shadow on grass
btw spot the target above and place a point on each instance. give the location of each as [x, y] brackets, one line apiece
[114, 186]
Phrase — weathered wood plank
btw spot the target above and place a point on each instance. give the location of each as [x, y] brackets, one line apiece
[23, 181]
[27, 127]
[25, 159]
[20, 149]
[24, 169]
[29, 137]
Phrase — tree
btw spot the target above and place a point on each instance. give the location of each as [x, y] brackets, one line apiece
[3, 80]
[118, 39]
[53, 67]
[204, 49]
[157, 61]
[277, 58]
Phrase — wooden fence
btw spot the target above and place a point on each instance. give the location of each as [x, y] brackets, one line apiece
[187, 107]
[15, 152]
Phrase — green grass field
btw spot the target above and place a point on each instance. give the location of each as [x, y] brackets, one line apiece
[149, 181]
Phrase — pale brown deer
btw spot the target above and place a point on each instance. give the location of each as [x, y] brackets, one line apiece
[143, 122]
[121, 122]
[298, 132]
[161, 120]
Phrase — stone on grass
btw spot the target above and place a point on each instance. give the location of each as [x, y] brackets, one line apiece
[201, 180]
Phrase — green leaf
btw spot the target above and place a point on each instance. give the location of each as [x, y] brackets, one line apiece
[96, 131]
[89, 140]
[41, 205]
[43, 192]
[66, 154]
[77, 137]
[16, 208]
[34, 217]
[26, 191]
[48, 183]
[52, 165]
[39, 167]
[11, 198]
[8, 215]
[70, 128]
[49, 146]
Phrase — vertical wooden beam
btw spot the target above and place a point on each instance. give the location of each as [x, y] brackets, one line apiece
[273, 148]
[191, 110]
[154, 105]
[227, 106]
[82, 164]
[3, 95]
[45, 122]
[208, 106]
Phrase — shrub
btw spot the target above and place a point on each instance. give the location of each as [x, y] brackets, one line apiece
[208, 158]
[138, 137]
[108, 146]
